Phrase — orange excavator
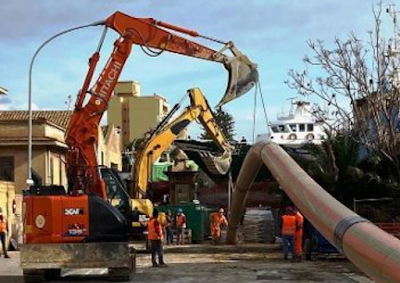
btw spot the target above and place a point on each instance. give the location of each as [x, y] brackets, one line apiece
[81, 228]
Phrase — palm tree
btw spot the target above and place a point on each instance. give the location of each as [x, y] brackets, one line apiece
[334, 164]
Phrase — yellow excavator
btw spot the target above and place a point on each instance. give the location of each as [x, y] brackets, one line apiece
[166, 133]
[161, 139]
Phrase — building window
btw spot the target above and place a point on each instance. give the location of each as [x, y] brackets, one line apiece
[102, 158]
[7, 168]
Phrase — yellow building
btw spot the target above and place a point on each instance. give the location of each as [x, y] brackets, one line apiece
[133, 113]
[48, 147]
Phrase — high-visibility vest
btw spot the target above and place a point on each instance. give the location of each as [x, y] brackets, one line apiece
[299, 220]
[154, 230]
[288, 225]
[3, 223]
[181, 221]
[218, 219]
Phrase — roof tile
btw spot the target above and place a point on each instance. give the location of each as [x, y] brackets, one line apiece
[58, 117]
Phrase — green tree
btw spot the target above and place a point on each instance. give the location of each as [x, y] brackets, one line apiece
[225, 122]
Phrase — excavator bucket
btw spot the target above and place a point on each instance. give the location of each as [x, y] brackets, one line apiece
[206, 155]
[218, 165]
[243, 76]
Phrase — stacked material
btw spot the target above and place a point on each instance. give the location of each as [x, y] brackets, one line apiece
[187, 236]
[258, 226]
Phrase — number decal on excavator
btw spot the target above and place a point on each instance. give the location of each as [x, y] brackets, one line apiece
[73, 211]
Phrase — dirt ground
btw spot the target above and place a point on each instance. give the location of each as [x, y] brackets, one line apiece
[206, 263]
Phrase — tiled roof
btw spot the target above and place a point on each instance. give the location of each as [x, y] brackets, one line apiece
[60, 118]
[18, 139]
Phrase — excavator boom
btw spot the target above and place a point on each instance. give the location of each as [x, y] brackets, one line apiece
[164, 137]
[154, 37]
[150, 33]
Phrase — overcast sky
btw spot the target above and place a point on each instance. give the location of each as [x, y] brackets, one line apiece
[272, 33]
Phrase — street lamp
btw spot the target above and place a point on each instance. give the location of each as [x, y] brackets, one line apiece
[29, 180]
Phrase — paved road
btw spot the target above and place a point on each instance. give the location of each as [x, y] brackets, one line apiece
[204, 263]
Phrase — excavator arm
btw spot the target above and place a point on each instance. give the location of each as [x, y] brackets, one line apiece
[82, 133]
[164, 137]
[150, 33]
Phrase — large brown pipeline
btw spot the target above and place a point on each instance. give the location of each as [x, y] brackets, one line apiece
[371, 249]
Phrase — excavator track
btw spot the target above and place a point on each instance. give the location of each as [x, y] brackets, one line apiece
[119, 275]
[41, 275]
[34, 275]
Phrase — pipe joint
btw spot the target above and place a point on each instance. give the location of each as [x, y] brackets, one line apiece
[342, 227]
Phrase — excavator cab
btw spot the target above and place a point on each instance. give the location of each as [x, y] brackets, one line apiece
[135, 211]
[117, 194]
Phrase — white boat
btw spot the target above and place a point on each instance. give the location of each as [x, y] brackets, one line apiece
[297, 127]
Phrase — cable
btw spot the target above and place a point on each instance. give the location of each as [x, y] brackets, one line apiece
[256, 91]
[146, 49]
[102, 38]
[263, 104]
[254, 113]
[149, 52]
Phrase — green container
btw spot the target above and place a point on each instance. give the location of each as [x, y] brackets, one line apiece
[158, 170]
[197, 218]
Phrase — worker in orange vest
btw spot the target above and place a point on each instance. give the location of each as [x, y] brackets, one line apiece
[217, 219]
[3, 232]
[155, 235]
[288, 232]
[180, 222]
[298, 237]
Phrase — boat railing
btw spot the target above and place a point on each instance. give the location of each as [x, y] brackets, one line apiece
[285, 115]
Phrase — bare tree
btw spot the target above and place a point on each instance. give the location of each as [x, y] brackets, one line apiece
[357, 80]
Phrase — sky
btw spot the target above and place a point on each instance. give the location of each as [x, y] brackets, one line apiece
[272, 33]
